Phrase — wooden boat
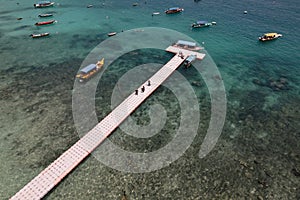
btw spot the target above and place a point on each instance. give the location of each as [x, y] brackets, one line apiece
[45, 23]
[39, 35]
[46, 15]
[269, 36]
[89, 71]
[174, 10]
[43, 4]
[112, 34]
[201, 24]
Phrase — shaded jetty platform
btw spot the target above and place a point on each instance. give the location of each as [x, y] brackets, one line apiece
[38, 187]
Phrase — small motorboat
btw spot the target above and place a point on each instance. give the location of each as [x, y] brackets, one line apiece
[112, 34]
[90, 6]
[46, 15]
[188, 61]
[43, 4]
[45, 23]
[135, 4]
[269, 36]
[174, 10]
[39, 35]
[201, 24]
[155, 13]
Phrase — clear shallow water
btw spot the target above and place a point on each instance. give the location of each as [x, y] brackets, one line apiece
[37, 77]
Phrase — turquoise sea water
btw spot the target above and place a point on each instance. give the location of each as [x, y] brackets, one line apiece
[261, 128]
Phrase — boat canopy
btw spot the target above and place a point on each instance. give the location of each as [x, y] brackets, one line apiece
[270, 34]
[186, 43]
[44, 2]
[88, 68]
[202, 22]
[191, 58]
[174, 8]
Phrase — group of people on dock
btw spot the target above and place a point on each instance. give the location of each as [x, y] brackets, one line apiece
[142, 88]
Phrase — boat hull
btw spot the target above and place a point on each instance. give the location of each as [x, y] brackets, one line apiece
[45, 15]
[112, 34]
[37, 5]
[84, 76]
[265, 38]
[45, 23]
[174, 11]
[200, 25]
[39, 35]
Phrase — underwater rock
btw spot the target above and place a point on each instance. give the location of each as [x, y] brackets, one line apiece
[295, 172]
[196, 83]
[283, 80]
[260, 197]
[258, 82]
[263, 183]
[279, 84]
[274, 84]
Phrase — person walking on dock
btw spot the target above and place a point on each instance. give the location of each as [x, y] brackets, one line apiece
[143, 89]
[149, 83]
[136, 92]
[181, 55]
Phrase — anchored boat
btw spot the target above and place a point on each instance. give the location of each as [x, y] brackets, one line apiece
[269, 36]
[46, 15]
[39, 35]
[174, 10]
[89, 71]
[45, 23]
[188, 62]
[43, 4]
[112, 34]
[201, 24]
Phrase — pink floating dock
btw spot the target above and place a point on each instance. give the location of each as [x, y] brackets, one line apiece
[56, 171]
[176, 50]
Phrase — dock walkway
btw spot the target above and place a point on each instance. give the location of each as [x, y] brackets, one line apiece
[63, 165]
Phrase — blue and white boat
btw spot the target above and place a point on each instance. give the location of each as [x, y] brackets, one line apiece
[201, 24]
[187, 63]
[46, 15]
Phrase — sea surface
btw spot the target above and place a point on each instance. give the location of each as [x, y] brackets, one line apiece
[258, 153]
